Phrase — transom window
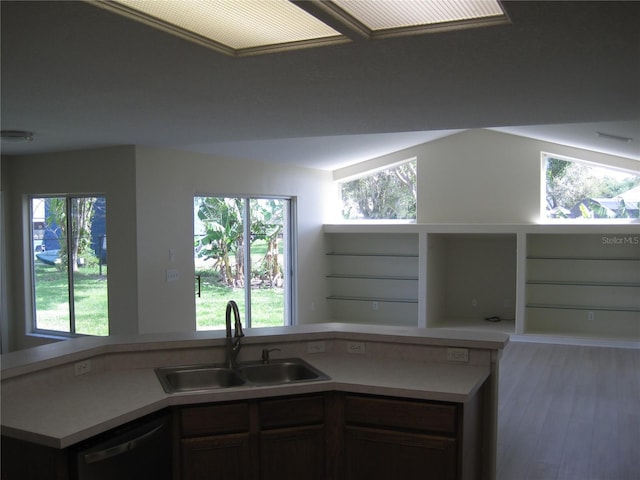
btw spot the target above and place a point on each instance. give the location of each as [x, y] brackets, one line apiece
[575, 189]
[389, 194]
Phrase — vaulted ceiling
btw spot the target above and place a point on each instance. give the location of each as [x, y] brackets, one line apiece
[79, 76]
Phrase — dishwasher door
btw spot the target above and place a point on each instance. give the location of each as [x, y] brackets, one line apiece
[137, 451]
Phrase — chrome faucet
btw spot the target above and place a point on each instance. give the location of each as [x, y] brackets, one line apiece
[233, 344]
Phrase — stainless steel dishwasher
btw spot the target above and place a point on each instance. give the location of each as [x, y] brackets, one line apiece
[138, 450]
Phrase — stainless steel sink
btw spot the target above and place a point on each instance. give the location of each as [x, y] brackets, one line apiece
[280, 371]
[196, 378]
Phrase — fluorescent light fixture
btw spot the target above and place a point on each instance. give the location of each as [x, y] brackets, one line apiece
[235, 27]
[391, 18]
[248, 27]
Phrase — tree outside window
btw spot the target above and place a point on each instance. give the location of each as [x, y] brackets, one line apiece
[69, 268]
[579, 190]
[389, 194]
[242, 252]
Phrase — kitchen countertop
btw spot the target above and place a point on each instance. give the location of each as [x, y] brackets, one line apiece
[59, 413]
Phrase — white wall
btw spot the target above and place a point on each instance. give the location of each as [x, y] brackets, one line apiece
[481, 176]
[150, 210]
[109, 171]
[166, 184]
[476, 176]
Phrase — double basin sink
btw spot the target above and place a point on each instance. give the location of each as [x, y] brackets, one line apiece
[199, 378]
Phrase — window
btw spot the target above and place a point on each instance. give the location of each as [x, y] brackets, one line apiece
[579, 190]
[243, 252]
[69, 265]
[388, 194]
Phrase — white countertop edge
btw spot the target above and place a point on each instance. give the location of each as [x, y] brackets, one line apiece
[46, 356]
[228, 395]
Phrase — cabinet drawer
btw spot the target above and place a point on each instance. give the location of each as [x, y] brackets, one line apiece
[401, 414]
[212, 419]
[290, 412]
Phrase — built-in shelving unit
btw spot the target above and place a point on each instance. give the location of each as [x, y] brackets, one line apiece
[471, 277]
[555, 281]
[583, 285]
[373, 277]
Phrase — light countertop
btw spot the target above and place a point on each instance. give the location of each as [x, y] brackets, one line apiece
[59, 412]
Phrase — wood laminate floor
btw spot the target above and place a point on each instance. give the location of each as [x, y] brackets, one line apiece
[568, 413]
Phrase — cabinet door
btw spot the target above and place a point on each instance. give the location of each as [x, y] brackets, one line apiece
[292, 453]
[224, 457]
[29, 461]
[385, 454]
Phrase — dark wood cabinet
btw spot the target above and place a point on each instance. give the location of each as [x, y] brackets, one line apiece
[22, 460]
[381, 454]
[292, 453]
[280, 438]
[224, 457]
[409, 439]
[325, 436]
[215, 442]
[292, 438]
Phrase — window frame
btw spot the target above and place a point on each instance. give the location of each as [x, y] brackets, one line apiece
[370, 172]
[544, 219]
[290, 286]
[32, 317]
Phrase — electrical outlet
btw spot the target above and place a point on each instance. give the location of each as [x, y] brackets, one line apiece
[173, 275]
[82, 367]
[355, 347]
[316, 347]
[474, 302]
[458, 355]
[591, 316]
[375, 306]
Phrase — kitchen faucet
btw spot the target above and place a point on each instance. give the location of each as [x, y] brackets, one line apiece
[233, 344]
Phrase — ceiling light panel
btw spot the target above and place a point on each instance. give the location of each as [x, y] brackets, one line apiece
[393, 14]
[238, 24]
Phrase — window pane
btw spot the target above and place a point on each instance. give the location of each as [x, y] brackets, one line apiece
[218, 257]
[89, 273]
[51, 281]
[575, 189]
[222, 260]
[82, 305]
[390, 195]
[267, 262]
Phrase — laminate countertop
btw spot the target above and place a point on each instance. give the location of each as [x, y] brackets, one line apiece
[44, 402]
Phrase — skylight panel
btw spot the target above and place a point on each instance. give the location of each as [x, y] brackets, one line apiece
[247, 27]
[235, 24]
[397, 15]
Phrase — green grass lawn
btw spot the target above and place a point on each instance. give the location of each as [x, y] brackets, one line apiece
[267, 309]
[90, 294]
[91, 303]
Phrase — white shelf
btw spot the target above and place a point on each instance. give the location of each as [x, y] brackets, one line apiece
[373, 299]
[561, 280]
[570, 274]
[373, 277]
